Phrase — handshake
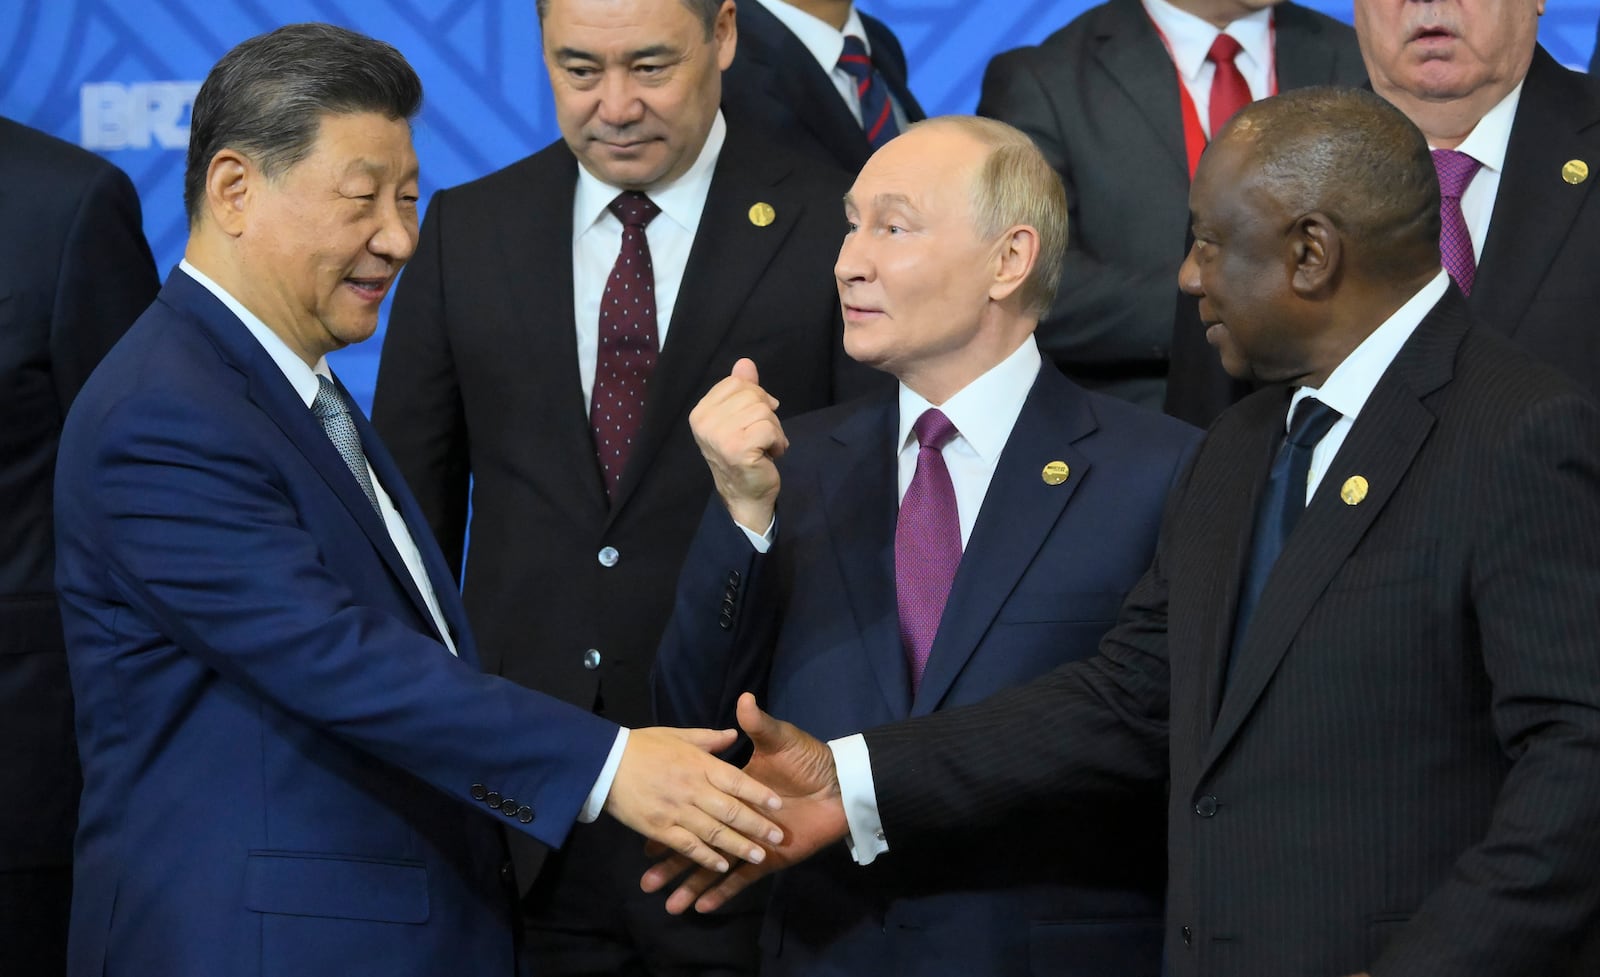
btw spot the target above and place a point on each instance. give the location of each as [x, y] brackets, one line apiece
[804, 813]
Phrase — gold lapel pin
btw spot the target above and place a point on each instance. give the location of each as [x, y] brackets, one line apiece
[1055, 473]
[762, 214]
[1353, 490]
[1575, 171]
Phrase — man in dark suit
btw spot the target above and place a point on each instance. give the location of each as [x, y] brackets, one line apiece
[75, 273]
[1121, 101]
[797, 72]
[292, 763]
[1364, 660]
[1038, 471]
[499, 346]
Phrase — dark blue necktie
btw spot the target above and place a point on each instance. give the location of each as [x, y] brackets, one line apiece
[1281, 504]
[877, 112]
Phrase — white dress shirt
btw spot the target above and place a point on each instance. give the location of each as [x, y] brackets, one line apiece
[304, 380]
[1189, 39]
[826, 43]
[1487, 144]
[1346, 390]
[597, 239]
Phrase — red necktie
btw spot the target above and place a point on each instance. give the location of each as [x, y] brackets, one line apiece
[1456, 170]
[1229, 93]
[927, 544]
[627, 353]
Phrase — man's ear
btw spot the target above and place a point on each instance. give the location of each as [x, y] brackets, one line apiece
[1316, 252]
[1015, 254]
[230, 179]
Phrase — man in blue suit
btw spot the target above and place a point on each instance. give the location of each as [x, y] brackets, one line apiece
[292, 764]
[899, 576]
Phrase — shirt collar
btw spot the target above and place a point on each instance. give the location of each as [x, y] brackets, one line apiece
[304, 378]
[1488, 140]
[681, 201]
[985, 410]
[1350, 384]
[819, 37]
[1189, 37]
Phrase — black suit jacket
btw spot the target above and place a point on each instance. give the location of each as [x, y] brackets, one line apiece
[75, 272]
[478, 384]
[1100, 98]
[775, 82]
[1399, 776]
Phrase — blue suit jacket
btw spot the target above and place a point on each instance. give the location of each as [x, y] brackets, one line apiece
[281, 759]
[814, 624]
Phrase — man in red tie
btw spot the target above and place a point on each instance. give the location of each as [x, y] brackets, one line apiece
[1515, 137]
[931, 546]
[561, 318]
[1122, 101]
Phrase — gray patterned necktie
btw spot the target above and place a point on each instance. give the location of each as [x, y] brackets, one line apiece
[334, 413]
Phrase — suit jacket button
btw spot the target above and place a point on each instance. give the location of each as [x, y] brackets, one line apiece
[608, 556]
[727, 605]
[1188, 936]
[591, 659]
[733, 578]
[525, 814]
[493, 800]
[479, 792]
[1206, 806]
[508, 807]
[725, 621]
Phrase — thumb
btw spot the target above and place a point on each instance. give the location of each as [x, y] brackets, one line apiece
[745, 369]
[764, 731]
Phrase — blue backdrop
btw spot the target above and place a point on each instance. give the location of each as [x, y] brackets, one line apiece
[117, 76]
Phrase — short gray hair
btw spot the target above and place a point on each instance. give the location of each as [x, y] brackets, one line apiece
[266, 98]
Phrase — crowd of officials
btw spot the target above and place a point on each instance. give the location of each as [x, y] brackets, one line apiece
[1150, 527]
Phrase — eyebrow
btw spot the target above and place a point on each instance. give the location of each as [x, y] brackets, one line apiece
[653, 51]
[377, 170]
[887, 200]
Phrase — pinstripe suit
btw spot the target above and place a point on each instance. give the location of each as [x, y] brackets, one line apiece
[1402, 775]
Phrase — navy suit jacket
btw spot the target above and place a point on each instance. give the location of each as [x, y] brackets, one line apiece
[774, 82]
[813, 625]
[281, 759]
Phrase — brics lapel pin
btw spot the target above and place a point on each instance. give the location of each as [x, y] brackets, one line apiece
[1353, 490]
[1575, 171]
[1055, 473]
[762, 214]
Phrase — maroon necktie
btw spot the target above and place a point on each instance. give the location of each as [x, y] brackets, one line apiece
[1456, 170]
[927, 544]
[627, 353]
[877, 111]
[1229, 93]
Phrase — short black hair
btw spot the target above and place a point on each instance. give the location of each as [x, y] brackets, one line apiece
[706, 10]
[267, 97]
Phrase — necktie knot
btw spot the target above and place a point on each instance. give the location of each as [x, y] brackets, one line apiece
[332, 411]
[933, 429]
[1312, 420]
[1456, 170]
[1223, 50]
[855, 61]
[328, 403]
[634, 209]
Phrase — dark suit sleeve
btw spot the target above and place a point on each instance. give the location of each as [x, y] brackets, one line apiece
[1517, 902]
[417, 406]
[1103, 312]
[108, 278]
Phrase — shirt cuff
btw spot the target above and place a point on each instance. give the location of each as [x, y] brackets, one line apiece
[860, 798]
[761, 541]
[596, 801]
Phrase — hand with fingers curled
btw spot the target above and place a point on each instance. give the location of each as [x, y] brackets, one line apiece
[736, 426]
[671, 789]
[799, 769]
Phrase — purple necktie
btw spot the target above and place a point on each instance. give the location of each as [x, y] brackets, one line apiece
[627, 353]
[1456, 170]
[877, 112]
[927, 544]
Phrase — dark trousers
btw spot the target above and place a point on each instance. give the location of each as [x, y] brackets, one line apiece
[34, 904]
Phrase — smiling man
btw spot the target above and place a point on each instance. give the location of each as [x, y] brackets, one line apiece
[292, 762]
[1516, 138]
[562, 317]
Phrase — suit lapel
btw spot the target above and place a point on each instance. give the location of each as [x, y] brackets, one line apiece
[728, 259]
[1301, 56]
[786, 69]
[1019, 512]
[1534, 207]
[1131, 52]
[860, 501]
[1392, 428]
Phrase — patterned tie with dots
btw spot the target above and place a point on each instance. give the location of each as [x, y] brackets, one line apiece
[927, 544]
[331, 408]
[627, 354]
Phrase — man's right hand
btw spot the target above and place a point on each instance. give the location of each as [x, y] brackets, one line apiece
[799, 768]
[737, 429]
